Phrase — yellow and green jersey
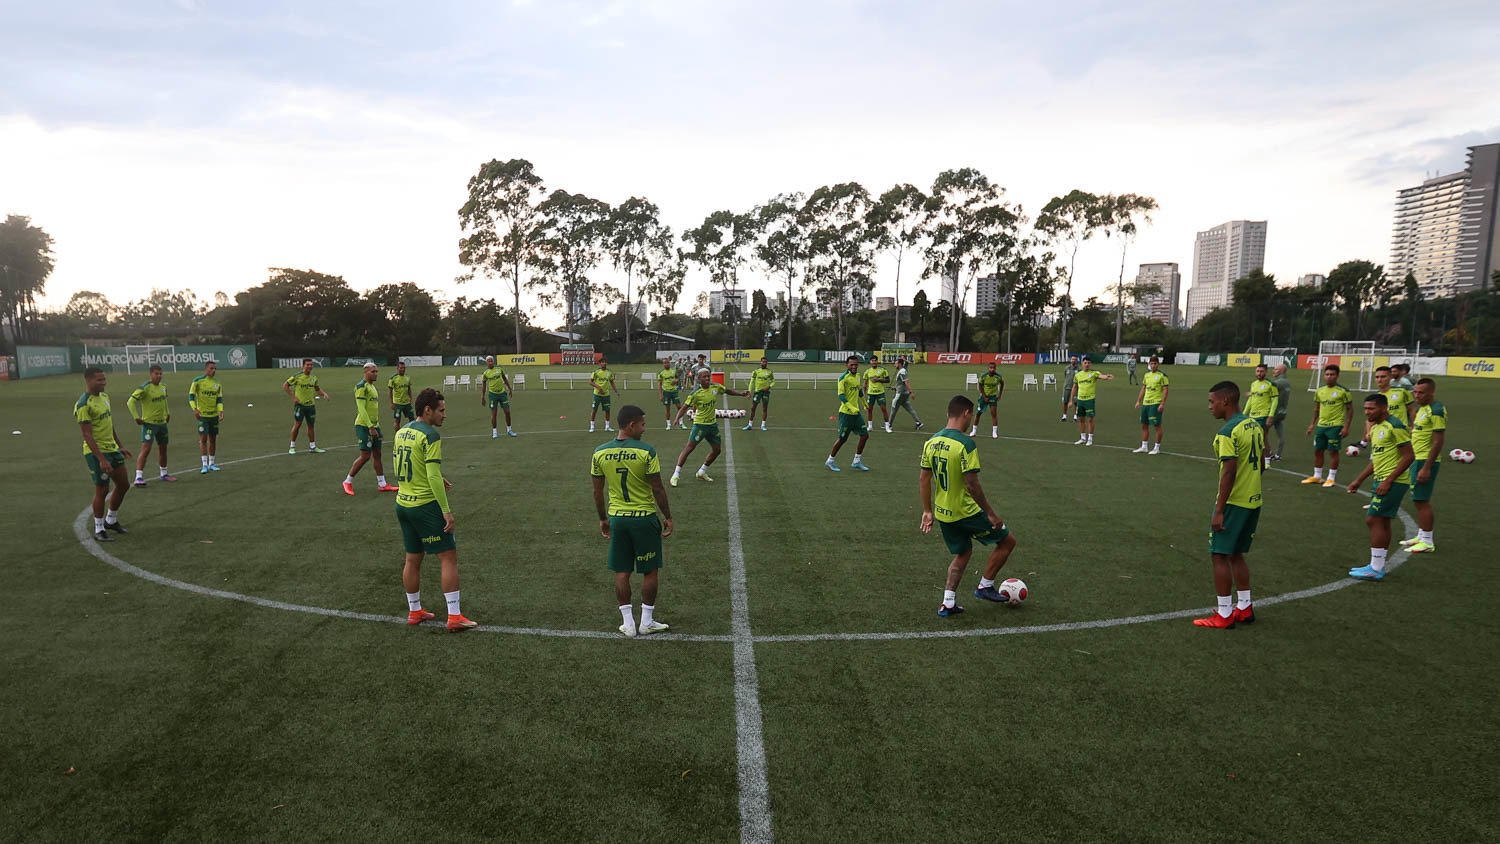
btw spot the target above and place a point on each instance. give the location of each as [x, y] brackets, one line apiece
[761, 380]
[875, 386]
[1088, 384]
[990, 384]
[1243, 441]
[493, 380]
[148, 403]
[418, 454]
[1430, 419]
[1331, 403]
[1156, 384]
[94, 410]
[1386, 439]
[304, 388]
[950, 455]
[668, 380]
[1397, 399]
[366, 404]
[206, 395]
[849, 398]
[602, 379]
[1262, 400]
[627, 467]
[400, 387]
[703, 401]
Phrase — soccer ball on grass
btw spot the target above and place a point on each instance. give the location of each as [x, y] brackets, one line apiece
[1013, 590]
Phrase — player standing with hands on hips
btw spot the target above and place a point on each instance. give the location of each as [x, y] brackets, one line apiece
[102, 452]
[1390, 457]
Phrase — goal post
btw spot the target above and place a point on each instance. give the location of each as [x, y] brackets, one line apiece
[141, 358]
[1354, 358]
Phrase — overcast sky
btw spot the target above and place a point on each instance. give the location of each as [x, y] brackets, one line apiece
[194, 144]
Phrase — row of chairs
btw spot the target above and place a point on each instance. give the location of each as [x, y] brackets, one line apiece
[465, 382]
[1028, 381]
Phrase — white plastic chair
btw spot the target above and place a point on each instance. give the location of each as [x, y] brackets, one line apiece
[1029, 382]
[1049, 380]
[463, 381]
[519, 382]
[449, 382]
[972, 380]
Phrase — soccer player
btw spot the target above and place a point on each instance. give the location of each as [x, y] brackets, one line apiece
[1262, 401]
[1085, 389]
[702, 402]
[1429, 433]
[1283, 404]
[1238, 445]
[399, 390]
[367, 431]
[668, 386]
[604, 384]
[904, 394]
[851, 417]
[1401, 376]
[1333, 410]
[951, 494]
[991, 388]
[497, 394]
[1398, 399]
[1390, 456]
[148, 405]
[1069, 372]
[304, 406]
[876, 377]
[1152, 402]
[761, 382]
[1130, 365]
[636, 519]
[206, 397]
[422, 509]
[102, 452]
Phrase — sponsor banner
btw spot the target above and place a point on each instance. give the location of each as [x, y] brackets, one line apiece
[1186, 358]
[36, 361]
[118, 359]
[463, 360]
[524, 360]
[981, 358]
[736, 355]
[296, 363]
[378, 360]
[1429, 366]
[794, 356]
[842, 356]
[1116, 359]
[420, 360]
[1474, 367]
[1247, 359]
[1315, 361]
[1213, 360]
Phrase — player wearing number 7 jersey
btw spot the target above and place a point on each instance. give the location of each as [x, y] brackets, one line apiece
[951, 495]
[637, 516]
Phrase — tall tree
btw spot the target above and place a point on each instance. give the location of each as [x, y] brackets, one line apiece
[25, 263]
[1123, 211]
[1254, 293]
[920, 309]
[1355, 284]
[970, 229]
[662, 272]
[573, 234]
[635, 228]
[91, 309]
[899, 220]
[841, 247]
[782, 247]
[760, 311]
[409, 318]
[501, 225]
[1068, 221]
[721, 245]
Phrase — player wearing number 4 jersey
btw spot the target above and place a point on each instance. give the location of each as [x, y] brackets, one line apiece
[1239, 445]
[952, 496]
[628, 473]
[422, 509]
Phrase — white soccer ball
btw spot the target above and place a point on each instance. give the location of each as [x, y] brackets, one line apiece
[1468, 457]
[249, 405]
[1456, 455]
[1013, 590]
[1352, 451]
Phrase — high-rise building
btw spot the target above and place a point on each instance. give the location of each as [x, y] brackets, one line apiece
[1312, 280]
[581, 306]
[1446, 229]
[1162, 305]
[718, 300]
[1222, 255]
[986, 295]
[885, 303]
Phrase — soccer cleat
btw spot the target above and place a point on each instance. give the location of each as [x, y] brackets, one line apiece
[832, 466]
[888, 430]
[171, 479]
[673, 482]
[213, 467]
[348, 488]
[973, 431]
[1063, 418]
[510, 433]
[1243, 616]
[1422, 548]
[203, 471]
[387, 488]
[748, 426]
[140, 482]
[947, 612]
[994, 435]
[860, 467]
[669, 426]
[1155, 450]
[1366, 573]
[458, 624]
[1407, 543]
[703, 476]
[1080, 441]
[292, 450]
[1215, 620]
[1090, 442]
[762, 426]
[494, 435]
[116, 527]
[647, 628]
[103, 536]
[1330, 483]
[1312, 479]
[418, 616]
[919, 426]
[989, 593]
[627, 630]
[1075, 417]
[1141, 450]
[317, 450]
[607, 428]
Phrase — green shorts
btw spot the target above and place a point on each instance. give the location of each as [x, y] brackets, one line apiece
[875, 398]
[208, 426]
[1084, 408]
[852, 423]
[305, 413]
[960, 536]
[368, 438]
[1262, 421]
[1387, 506]
[1327, 438]
[99, 474]
[1238, 532]
[634, 544]
[1419, 491]
[670, 398]
[1151, 414]
[153, 433]
[422, 529]
[601, 401]
[761, 397]
[708, 432]
[986, 402]
[402, 410]
[503, 400]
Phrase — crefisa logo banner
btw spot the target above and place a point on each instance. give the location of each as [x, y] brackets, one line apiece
[1473, 367]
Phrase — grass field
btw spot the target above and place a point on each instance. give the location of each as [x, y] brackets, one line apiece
[137, 710]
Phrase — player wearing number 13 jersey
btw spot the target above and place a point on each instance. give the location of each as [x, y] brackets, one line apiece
[422, 509]
[952, 496]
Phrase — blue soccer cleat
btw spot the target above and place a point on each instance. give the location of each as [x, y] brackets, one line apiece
[1366, 573]
[860, 467]
[945, 612]
[990, 593]
[832, 466]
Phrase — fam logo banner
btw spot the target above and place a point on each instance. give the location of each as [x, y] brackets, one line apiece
[969, 358]
[1473, 367]
[736, 355]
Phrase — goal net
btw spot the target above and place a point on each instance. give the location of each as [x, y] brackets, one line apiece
[141, 358]
[1274, 356]
[1354, 358]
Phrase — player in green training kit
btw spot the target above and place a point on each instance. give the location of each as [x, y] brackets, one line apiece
[1263, 397]
[951, 494]
[876, 378]
[1283, 404]
[636, 519]
[1239, 445]
[669, 388]
[603, 382]
[304, 391]
[1429, 433]
[399, 390]
[102, 453]
[904, 394]
[1390, 456]
[702, 402]
[761, 382]
[851, 417]
[148, 406]
[1085, 391]
[496, 393]
[1333, 409]
[422, 509]
[1152, 403]
[206, 397]
[991, 388]
[367, 431]
[1398, 401]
